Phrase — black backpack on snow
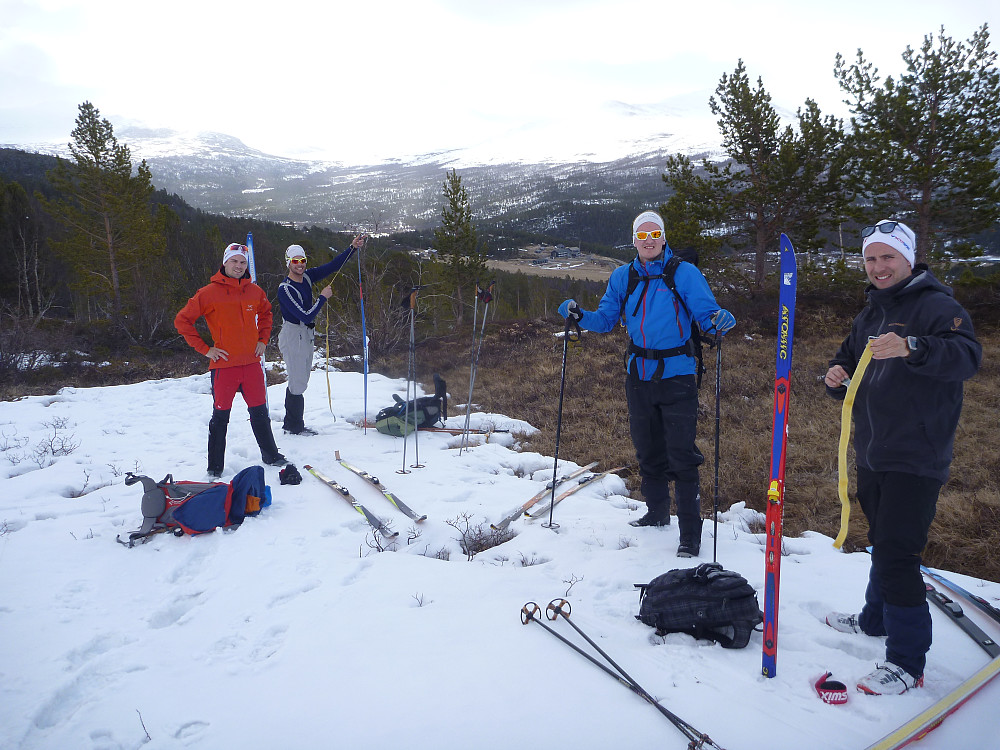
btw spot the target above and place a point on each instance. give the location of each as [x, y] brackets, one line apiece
[694, 345]
[707, 602]
[404, 417]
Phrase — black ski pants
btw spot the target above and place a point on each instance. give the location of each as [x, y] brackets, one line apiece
[663, 418]
[900, 508]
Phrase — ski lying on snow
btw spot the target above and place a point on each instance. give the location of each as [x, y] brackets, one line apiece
[375, 521]
[957, 615]
[979, 601]
[926, 721]
[374, 480]
[581, 483]
[521, 509]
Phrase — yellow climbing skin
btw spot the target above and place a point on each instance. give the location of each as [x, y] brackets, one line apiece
[845, 438]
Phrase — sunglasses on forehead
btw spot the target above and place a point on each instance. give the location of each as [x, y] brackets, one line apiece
[239, 249]
[654, 235]
[885, 228]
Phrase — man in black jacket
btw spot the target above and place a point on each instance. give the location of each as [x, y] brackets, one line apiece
[906, 411]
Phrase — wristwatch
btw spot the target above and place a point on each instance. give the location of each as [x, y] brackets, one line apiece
[911, 343]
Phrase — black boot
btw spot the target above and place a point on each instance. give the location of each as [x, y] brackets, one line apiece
[218, 425]
[260, 423]
[656, 515]
[689, 519]
[294, 407]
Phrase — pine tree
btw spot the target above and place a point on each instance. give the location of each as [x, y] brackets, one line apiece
[112, 241]
[923, 145]
[462, 256]
[778, 179]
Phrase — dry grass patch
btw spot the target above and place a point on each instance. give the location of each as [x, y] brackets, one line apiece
[519, 374]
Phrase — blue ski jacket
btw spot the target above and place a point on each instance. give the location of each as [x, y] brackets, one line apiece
[656, 319]
[296, 298]
[906, 409]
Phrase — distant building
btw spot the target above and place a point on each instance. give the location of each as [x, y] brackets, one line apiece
[561, 251]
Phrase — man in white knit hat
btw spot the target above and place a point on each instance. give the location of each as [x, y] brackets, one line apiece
[296, 341]
[906, 411]
[659, 298]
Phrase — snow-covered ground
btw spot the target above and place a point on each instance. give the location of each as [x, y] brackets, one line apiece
[295, 632]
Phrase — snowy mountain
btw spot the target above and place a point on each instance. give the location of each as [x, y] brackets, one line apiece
[299, 631]
[535, 177]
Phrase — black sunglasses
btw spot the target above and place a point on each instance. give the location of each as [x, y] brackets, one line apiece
[884, 228]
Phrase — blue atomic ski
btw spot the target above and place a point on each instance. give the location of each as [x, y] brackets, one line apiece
[779, 444]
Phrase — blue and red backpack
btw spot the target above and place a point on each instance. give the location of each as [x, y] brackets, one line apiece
[197, 507]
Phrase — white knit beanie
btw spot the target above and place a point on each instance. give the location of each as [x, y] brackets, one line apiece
[235, 249]
[901, 239]
[294, 251]
[647, 216]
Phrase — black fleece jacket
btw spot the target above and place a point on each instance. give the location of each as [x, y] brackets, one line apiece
[906, 409]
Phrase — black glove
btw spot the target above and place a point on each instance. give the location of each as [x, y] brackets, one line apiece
[290, 475]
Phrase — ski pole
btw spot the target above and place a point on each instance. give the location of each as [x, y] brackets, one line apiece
[570, 333]
[364, 339]
[487, 296]
[718, 412]
[472, 376]
[252, 267]
[557, 607]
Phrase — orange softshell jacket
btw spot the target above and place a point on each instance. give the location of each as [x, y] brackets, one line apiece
[238, 316]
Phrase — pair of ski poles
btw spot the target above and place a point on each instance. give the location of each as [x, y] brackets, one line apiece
[561, 608]
[486, 295]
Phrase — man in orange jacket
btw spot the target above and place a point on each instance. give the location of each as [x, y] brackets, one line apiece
[239, 319]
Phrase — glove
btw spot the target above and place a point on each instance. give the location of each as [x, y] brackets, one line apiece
[571, 311]
[722, 321]
[289, 475]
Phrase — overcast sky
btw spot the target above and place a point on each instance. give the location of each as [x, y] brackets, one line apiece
[292, 77]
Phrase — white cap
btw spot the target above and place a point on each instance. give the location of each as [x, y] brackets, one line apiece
[901, 238]
[235, 249]
[294, 251]
[646, 216]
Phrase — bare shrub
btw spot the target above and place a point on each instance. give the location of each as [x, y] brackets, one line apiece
[477, 538]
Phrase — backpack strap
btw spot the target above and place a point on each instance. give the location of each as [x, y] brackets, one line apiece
[688, 348]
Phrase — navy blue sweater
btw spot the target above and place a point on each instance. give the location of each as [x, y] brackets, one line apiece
[296, 298]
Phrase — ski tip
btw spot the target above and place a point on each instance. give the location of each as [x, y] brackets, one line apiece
[337, 455]
[422, 518]
[307, 467]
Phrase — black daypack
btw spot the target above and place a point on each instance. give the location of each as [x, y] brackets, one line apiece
[694, 345]
[404, 417]
[706, 602]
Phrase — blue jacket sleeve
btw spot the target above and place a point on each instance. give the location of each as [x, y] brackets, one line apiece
[694, 290]
[608, 311]
[319, 273]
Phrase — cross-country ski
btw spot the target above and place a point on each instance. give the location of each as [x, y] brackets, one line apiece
[779, 444]
[523, 508]
[377, 484]
[376, 523]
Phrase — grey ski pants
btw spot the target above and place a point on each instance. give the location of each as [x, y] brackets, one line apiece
[297, 345]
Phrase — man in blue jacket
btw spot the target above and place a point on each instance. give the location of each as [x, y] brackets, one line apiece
[660, 384]
[906, 411]
[296, 338]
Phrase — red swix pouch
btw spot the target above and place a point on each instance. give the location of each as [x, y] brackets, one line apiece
[831, 691]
